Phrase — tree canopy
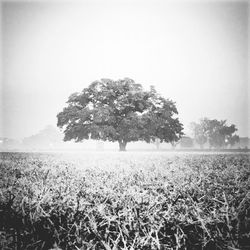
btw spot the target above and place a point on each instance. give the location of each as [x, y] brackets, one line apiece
[119, 111]
[217, 133]
[199, 133]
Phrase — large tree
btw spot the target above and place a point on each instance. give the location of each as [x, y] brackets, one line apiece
[119, 111]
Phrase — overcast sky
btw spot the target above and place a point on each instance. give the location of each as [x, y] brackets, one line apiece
[194, 53]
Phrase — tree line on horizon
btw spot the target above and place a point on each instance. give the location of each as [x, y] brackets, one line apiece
[122, 111]
[214, 132]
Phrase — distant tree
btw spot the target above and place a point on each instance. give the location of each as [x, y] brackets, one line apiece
[199, 133]
[44, 138]
[119, 111]
[217, 133]
[232, 140]
[186, 142]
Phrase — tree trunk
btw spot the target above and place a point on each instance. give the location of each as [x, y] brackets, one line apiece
[174, 144]
[122, 145]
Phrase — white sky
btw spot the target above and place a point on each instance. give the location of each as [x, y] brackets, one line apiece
[194, 53]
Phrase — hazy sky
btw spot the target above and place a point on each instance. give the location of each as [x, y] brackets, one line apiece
[194, 53]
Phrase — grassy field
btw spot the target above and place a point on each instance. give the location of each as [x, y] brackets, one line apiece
[150, 200]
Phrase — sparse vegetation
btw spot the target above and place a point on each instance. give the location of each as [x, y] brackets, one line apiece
[131, 201]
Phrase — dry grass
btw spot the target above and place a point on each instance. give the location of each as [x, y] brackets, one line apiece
[124, 201]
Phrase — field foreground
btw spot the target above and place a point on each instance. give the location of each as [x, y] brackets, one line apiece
[124, 201]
